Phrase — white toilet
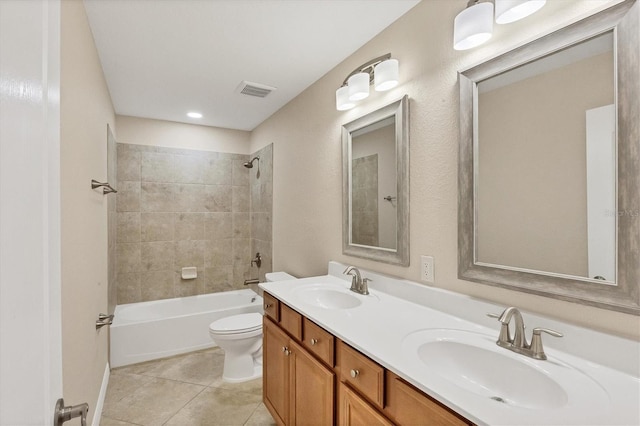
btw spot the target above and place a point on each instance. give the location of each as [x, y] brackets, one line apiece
[240, 336]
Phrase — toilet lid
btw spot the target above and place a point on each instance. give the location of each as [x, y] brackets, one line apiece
[241, 323]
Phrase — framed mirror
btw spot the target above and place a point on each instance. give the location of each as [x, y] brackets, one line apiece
[549, 163]
[375, 175]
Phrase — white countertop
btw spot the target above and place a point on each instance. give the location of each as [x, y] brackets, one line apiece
[379, 327]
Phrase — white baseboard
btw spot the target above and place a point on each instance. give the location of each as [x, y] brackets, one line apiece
[97, 414]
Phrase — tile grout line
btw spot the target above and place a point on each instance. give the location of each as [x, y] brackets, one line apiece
[185, 404]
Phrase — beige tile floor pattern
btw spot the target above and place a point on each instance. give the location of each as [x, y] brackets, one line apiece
[185, 390]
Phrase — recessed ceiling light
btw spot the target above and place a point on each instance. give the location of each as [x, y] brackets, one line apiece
[194, 115]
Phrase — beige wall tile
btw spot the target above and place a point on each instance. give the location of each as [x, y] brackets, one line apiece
[128, 164]
[242, 250]
[240, 198]
[218, 252]
[156, 227]
[157, 256]
[156, 197]
[128, 287]
[128, 257]
[189, 253]
[241, 225]
[156, 167]
[128, 196]
[157, 285]
[128, 227]
[217, 171]
[184, 288]
[189, 168]
[189, 226]
[219, 278]
[239, 173]
[189, 198]
[218, 198]
[218, 225]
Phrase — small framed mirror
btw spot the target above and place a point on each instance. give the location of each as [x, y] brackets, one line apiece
[375, 174]
[549, 193]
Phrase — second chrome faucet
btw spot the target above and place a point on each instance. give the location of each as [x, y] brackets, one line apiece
[518, 343]
[358, 284]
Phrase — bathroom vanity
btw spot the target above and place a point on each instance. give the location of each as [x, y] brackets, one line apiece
[410, 354]
[310, 376]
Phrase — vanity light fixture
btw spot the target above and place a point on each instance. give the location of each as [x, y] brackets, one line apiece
[508, 11]
[194, 115]
[381, 71]
[474, 25]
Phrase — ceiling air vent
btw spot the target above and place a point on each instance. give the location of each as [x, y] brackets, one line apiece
[254, 89]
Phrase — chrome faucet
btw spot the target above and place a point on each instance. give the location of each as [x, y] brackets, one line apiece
[358, 284]
[519, 343]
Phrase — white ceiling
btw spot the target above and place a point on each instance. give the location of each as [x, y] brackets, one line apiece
[163, 58]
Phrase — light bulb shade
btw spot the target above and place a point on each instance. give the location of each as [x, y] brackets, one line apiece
[342, 99]
[513, 10]
[358, 85]
[386, 75]
[473, 26]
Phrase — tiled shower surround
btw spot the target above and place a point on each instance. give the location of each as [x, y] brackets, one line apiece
[179, 208]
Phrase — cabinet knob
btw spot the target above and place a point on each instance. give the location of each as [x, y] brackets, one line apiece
[314, 341]
[285, 349]
[268, 305]
[354, 373]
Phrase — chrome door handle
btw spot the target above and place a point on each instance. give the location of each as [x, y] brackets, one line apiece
[63, 414]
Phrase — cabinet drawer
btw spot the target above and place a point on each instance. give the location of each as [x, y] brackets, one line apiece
[318, 341]
[271, 307]
[354, 411]
[361, 373]
[291, 321]
[408, 406]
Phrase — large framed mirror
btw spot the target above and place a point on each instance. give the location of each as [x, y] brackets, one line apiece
[375, 170]
[549, 165]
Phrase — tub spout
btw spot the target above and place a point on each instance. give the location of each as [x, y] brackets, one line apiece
[252, 281]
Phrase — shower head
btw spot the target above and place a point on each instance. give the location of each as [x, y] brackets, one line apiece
[249, 164]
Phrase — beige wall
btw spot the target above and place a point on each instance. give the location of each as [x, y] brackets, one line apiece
[307, 155]
[169, 134]
[86, 110]
[532, 186]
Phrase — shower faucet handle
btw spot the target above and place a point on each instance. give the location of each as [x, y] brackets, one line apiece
[257, 260]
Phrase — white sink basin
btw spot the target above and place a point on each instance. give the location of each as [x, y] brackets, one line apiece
[328, 297]
[473, 362]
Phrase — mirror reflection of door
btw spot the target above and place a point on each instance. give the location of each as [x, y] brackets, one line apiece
[373, 185]
[547, 167]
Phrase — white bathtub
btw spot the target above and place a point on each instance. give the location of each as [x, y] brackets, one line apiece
[150, 330]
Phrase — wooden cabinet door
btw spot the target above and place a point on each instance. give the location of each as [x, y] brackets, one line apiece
[408, 406]
[275, 371]
[354, 411]
[312, 389]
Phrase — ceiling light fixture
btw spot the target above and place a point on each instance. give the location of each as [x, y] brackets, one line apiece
[381, 71]
[508, 11]
[194, 115]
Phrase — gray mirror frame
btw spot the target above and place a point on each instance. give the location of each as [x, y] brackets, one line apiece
[400, 256]
[624, 19]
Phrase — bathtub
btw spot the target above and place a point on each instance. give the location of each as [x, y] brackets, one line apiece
[151, 330]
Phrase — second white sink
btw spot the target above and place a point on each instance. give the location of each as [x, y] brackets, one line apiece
[473, 362]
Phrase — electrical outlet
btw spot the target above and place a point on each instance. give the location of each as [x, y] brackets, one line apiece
[426, 269]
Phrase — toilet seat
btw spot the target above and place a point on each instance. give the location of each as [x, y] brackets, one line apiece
[237, 324]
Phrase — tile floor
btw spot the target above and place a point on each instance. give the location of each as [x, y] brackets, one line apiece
[185, 390]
